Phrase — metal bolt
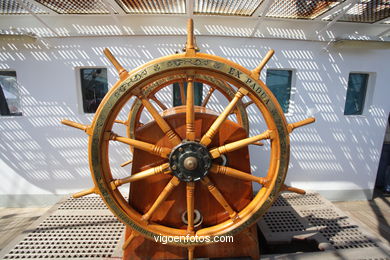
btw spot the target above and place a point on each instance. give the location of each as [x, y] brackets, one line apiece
[174, 157]
[174, 167]
[180, 149]
[190, 163]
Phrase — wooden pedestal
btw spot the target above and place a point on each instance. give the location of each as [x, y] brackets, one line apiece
[238, 193]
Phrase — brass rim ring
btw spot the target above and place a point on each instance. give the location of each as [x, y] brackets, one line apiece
[213, 66]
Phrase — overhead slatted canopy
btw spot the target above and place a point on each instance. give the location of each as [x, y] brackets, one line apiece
[301, 9]
[362, 11]
[226, 7]
[153, 7]
[14, 7]
[76, 6]
[301, 19]
[368, 11]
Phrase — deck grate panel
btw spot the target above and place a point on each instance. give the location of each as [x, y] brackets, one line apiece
[313, 217]
[84, 229]
[84, 203]
[340, 232]
[78, 229]
[292, 199]
[282, 221]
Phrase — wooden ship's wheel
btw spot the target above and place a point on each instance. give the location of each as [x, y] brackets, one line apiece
[191, 171]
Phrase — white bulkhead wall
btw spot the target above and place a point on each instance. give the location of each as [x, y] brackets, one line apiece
[337, 156]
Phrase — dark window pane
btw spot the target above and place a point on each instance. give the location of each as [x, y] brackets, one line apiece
[279, 82]
[9, 94]
[356, 94]
[198, 91]
[94, 86]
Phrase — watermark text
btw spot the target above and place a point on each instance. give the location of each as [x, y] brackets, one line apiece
[193, 239]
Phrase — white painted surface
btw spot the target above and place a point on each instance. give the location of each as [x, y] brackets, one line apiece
[38, 155]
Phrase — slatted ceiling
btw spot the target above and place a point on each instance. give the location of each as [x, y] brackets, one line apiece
[368, 11]
[226, 7]
[300, 9]
[76, 6]
[153, 7]
[13, 7]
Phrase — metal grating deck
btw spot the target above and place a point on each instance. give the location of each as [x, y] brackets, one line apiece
[85, 229]
[73, 229]
[311, 217]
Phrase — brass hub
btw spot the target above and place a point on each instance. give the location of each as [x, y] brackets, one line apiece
[190, 161]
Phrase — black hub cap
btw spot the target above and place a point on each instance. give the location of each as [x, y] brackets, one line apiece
[190, 161]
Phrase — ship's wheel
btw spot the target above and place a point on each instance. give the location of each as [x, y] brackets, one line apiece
[188, 150]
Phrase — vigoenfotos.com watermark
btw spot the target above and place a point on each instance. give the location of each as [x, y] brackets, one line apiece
[193, 239]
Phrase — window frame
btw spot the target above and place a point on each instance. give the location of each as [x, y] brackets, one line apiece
[80, 102]
[20, 96]
[369, 93]
[293, 89]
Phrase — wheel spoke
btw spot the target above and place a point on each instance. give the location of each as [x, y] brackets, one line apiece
[151, 148]
[293, 189]
[245, 106]
[85, 128]
[208, 96]
[191, 253]
[258, 143]
[292, 126]
[266, 58]
[219, 197]
[248, 103]
[207, 138]
[121, 71]
[215, 153]
[121, 122]
[127, 163]
[182, 94]
[140, 175]
[158, 102]
[165, 127]
[161, 198]
[83, 193]
[129, 239]
[190, 206]
[219, 169]
[190, 110]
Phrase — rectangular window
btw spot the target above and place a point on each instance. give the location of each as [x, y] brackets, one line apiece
[356, 93]
[198, 91]
[9, 94]
[94, 86]
[279, 82]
